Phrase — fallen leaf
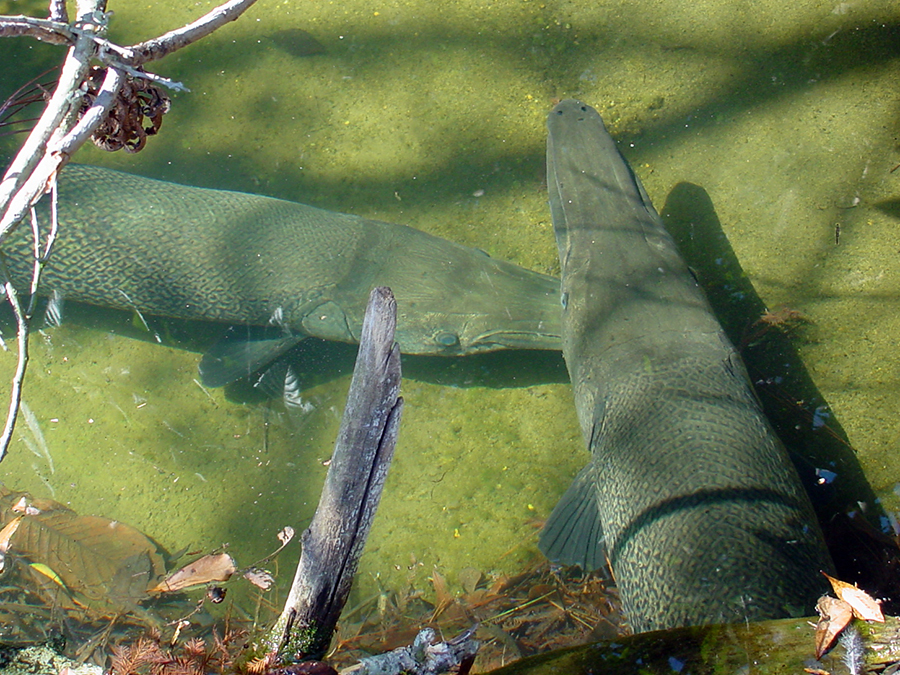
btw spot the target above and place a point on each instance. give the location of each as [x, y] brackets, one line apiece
[443, 599]
[204, 570]
[469, 578]
[5, 534]
[41, 568]
[837, 584]
[864, 605]
[23, 502]
[834, 615]
[105, 563]
[259, 578]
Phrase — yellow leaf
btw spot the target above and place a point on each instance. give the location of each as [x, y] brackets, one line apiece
[837, 584]
[47, 572]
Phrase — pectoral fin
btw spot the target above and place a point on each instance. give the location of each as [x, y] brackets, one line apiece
[573, 534]
[242, 351]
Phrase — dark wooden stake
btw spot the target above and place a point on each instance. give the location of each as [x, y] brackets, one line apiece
[337, 534]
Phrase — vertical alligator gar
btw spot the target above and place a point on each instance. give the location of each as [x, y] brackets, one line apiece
[689, 491]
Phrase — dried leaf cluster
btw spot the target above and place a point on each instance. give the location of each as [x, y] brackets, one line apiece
[527, 614]
[100, 564]
[96, 581]
[835, 614]
[125, 126]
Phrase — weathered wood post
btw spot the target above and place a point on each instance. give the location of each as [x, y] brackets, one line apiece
[337, 534]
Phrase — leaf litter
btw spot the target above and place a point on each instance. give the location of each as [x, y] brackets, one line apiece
[93, 582]
[835, 614]
[534, 612]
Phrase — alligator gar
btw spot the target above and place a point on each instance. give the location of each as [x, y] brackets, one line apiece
[689, 493]
[211, 255]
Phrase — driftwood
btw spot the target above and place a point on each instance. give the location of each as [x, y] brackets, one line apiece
[765, 648]
[425, 656]
[337, 534]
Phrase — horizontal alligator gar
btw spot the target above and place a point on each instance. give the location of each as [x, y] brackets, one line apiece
[212, 255]
[689, 492]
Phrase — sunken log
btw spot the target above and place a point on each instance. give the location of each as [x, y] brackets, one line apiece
[765, 648]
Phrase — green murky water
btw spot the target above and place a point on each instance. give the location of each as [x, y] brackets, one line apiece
[432, 114]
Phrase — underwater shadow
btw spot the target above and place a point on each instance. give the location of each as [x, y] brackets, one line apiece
[805, 62]
[316, 361]
[817, 443]
[797, 67]
[890, 207]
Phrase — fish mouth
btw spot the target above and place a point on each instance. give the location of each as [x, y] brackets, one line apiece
[516, 339]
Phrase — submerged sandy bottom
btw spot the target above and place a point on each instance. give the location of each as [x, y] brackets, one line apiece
[432, 114]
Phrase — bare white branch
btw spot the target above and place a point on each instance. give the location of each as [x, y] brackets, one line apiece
[45, 30]
[62, 129]
[152, 50]
[58, 11]
[60, 106]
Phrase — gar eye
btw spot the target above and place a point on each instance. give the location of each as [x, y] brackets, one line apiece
[447, 339]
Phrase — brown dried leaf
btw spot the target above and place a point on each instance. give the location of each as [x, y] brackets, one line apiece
[204, 570]
[23, 502]
[837, 584]
[834, 615]
[442, 599]
[5, 534]
[864, 605]
[469, 578]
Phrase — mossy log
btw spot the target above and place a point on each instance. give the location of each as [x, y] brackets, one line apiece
[781, 647]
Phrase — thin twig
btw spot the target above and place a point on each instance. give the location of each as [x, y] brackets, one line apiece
[157, 48]
[30, 173]
[42, 255]
[46, 30]
[23, 318]
[15, 393]
[30, 92]
[58, 153]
